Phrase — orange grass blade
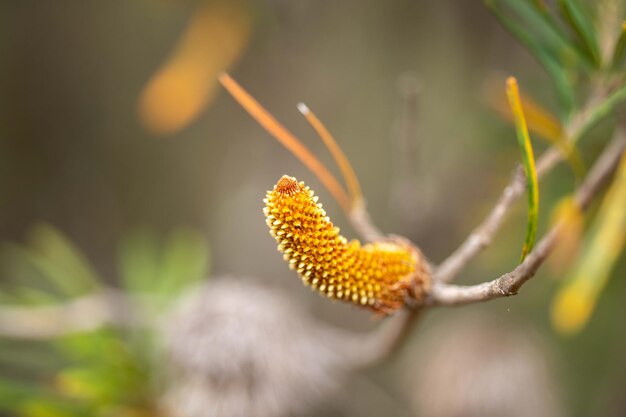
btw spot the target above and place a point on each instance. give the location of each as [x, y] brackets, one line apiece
[286, 138]
[340, 158]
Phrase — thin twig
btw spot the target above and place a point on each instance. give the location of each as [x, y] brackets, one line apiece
[482, 236]
[360, 219]
[600, 102]
[387, 338]
[509, 283]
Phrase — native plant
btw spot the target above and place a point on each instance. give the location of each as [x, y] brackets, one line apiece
[584, 57]
[96, 345]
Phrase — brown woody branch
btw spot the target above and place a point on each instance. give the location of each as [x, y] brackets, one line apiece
[481, 237]
[360, 219]
[390, 336]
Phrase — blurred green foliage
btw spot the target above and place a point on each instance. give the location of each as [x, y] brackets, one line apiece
[564, 41]
[50, 258]
[109, 370]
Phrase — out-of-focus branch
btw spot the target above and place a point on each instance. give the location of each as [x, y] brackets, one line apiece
[386, 339]
[81, 314]
[509, 283]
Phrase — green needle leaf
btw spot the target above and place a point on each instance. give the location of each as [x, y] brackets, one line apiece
[578, 20]
[184, 262]
[600, 111]
[62, 261]
[541, 53]
[620, 48]
[528, 158]
[138, 255]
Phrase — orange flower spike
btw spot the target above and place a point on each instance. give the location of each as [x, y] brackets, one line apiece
[380, 275]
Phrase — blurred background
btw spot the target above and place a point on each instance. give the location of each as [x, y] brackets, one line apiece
[123, 163]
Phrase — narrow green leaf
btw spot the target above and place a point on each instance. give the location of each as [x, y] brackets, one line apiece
[620, 49]
[562, 83]
[580, 23]
[565, 90]
[163, 268]
[542, 23]
[39, 271]
[540, 5]
[57, 260]
[57, 247]
[139, 260]
[528, 158]
[601, 111]
[184, 262]
[574, 303]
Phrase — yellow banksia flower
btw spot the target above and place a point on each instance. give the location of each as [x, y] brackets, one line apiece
[379, 275]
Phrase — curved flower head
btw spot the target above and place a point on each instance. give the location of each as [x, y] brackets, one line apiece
[378, 275]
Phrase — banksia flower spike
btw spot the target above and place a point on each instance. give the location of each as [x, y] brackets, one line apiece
[379, 276]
